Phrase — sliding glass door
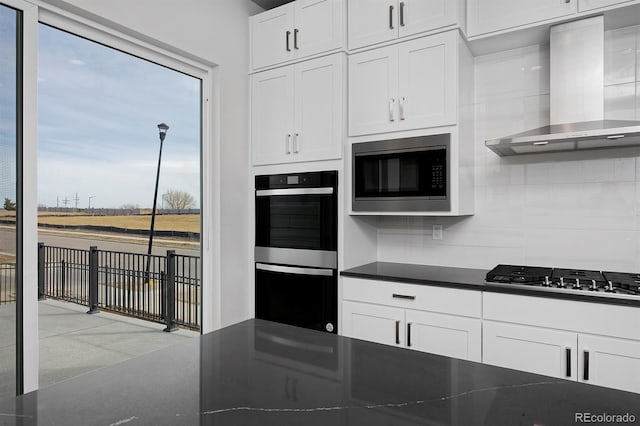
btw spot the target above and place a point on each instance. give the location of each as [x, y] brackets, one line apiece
[10, 134]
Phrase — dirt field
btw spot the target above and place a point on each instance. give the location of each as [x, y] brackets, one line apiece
[185, 223]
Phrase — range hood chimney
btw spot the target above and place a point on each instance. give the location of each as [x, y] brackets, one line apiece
[577, 98]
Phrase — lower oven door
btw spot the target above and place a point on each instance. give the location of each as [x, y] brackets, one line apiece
[303, 297]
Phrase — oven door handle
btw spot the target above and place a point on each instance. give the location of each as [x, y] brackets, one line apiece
[294, 191]
[294, 270]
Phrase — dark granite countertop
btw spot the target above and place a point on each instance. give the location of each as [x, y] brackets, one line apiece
[471, 279]
[263, 373]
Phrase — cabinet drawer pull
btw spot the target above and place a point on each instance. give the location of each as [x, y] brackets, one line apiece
[287, 38]
[568, 361]
[402, 13]
[403, 296]
[288, 143]
[585, 373]
[397, 332]
[402, 102]
[391, 16]
[295, 39]
[408, 334]
[296, 143]
[392, 107]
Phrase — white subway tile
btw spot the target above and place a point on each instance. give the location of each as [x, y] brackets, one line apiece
[620, 102]
[620, 56]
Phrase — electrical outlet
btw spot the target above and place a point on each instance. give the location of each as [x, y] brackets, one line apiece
[437, 232]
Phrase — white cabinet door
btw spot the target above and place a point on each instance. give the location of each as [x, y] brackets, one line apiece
[428, 79]
[372, 21]
[416, 16]
[609, 362]
[270, 42]
[272, 116]
[585, 5]
[537, 350]
[319, 109]
[373, 88]
[492, 15]
[447, 335]
[374, 323]
[318, 26]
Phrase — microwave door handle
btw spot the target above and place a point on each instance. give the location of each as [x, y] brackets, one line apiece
[295, 270]
[294, 191]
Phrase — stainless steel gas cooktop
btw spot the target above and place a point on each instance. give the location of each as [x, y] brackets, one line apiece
[596, 283]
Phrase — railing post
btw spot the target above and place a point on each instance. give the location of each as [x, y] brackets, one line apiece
[163, 300]
[170, 291]
[93, 280]
[41, 260]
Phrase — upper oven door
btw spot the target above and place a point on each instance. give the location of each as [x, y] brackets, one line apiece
[297, 218]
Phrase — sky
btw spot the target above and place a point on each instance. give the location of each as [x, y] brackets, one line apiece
[98, 111]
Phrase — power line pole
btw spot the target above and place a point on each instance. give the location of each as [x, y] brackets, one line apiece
[65, 201]
[76, 200]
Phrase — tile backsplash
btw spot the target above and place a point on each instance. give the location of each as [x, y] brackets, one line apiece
[578, 209]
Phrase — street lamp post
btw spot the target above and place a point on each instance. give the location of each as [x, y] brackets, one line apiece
[162, 129]
[90, 197]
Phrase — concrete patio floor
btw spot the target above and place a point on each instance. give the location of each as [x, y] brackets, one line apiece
[73, 342]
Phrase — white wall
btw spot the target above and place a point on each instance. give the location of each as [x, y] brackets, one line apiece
[565, 209]
[217, 32]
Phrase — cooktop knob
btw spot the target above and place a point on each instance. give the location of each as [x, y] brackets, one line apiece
[561, 284]
[610, 286]
[594, 286]
[546, 282]
[577, 284]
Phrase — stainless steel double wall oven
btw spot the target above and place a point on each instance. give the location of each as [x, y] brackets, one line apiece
[296, 277]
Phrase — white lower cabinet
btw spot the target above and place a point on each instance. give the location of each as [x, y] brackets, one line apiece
[423, 327]
[610, 362]
[563, 342]
[532, 349]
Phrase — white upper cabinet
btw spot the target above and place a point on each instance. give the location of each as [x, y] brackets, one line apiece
[297, 111]
[486, 16]
[373, 87]
[272, 115]
[585, 5]
[319, 108]
[428, 82]
[409, 85]
[371, 22]
[296, 30]
[416, 16]
[376, 21]
[271, 38]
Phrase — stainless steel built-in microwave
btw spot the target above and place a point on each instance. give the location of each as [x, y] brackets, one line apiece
[402, 175]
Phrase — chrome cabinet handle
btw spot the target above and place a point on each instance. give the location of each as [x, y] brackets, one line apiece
[391, 16]
[392, 105]
[296, 149]
[568, 361]
[288, 143]
[585, 373]
[402, 102]
[397, 332]
[408, 334]
[403, 296]
[402, 13]
[295, 39]
[288, 35]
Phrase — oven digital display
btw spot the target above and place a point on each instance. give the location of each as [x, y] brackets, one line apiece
[292, 180]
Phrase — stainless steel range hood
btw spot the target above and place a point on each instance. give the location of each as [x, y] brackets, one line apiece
[576, 100]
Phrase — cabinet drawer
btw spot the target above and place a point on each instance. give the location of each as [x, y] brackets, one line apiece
[421, 297]
[585, 5]
[585, 317]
